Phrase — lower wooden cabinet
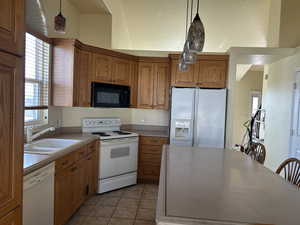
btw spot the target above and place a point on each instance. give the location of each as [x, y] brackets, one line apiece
[75, 182]
[12, 218]
[150, 150]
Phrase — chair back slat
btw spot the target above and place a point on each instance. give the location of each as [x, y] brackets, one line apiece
[258, 152]
[291, 169]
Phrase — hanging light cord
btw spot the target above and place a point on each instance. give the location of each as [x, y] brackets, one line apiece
[198, 7]
[192, 11]
[60, 6]
[187, 17]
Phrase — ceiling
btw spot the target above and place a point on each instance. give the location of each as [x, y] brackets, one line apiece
[90, 6]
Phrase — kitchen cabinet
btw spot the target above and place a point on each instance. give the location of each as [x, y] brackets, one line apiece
[153, 85]
[134, 84]
[210, 71]
[121, 71]
[146, 85]
[76, 66]
[76, 179]
[102, 66]
[182, 79]
[71, 74]
[13, 218]
[12, 18]
[11, 131]
[82, 85]
[150, 150]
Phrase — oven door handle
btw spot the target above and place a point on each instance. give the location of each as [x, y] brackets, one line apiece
[119, 141]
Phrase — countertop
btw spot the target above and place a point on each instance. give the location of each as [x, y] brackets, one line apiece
[148, 130]
[34, 162]
[215, 186]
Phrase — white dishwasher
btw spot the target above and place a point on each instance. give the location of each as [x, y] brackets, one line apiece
[38, 197]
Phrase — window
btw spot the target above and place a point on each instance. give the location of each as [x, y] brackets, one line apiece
[255, 101]
[37, 65]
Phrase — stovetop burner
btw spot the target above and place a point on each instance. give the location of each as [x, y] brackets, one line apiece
[121, 132]
[101, 134]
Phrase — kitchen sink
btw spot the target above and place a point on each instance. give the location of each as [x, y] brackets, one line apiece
[48, 146]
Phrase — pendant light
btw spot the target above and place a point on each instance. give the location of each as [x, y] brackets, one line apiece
[60, 22]
[196, 34]
[185, 57]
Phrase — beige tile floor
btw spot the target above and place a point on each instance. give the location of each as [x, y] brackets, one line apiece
[133, 205]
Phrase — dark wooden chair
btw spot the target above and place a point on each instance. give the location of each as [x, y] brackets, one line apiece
[257, 152]
[291, 170]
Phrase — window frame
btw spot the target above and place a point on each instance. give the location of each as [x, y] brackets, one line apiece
[42, 110]
[254, 94]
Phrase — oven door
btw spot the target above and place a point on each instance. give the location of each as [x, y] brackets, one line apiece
[118, 156]
[110, 95]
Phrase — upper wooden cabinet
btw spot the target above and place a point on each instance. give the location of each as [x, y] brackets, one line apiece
[102, 66]
[71, 74]
[82, 84]
[76, 66]
[210, 71]
[153, 85]
[182, 79]
[12, 26]
[121, 71]
[11, 131]
[161, 86]
[146, 85]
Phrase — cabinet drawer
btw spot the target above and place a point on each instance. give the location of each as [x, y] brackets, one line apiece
[152, 159]
[65, 161]
[153, 140]
[149, 170]
[92, 147]
[151, 149]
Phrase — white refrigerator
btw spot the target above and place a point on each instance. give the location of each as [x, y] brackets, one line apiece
[198, 117]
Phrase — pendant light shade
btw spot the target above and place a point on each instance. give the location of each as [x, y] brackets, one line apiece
[196, 35]
[182, 66]
[60, 22]
[188, 56]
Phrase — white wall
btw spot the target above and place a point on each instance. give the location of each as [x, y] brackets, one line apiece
[277, 101]
[160, 24]
[95, 30]
[252, 81]
[71, 117]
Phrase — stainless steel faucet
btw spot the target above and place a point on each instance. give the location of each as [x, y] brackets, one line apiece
[30, 137]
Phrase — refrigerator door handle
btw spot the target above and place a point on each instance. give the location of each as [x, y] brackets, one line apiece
[195, 119]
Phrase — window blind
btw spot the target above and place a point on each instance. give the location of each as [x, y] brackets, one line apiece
[37, 63]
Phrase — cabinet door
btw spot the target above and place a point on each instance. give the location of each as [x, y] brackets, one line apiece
[182, 79]
[91, 172]
[212, 74]
[102, 69]
[121, 72]
[11, 132]
[79, 184]
[82, 84]
[133, 85]
[13, 218]
[12, 26]
[161, 86]
[63, 203]
[145, 85]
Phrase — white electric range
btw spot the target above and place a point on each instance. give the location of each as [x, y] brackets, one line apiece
[118, 152]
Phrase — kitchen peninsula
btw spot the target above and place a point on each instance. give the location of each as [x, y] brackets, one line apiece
[214, 186]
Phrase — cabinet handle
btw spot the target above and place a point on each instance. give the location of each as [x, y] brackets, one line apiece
[87, 189]
[90, 158]
[74, 169]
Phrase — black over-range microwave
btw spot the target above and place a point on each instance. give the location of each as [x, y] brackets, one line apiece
[110, 95]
